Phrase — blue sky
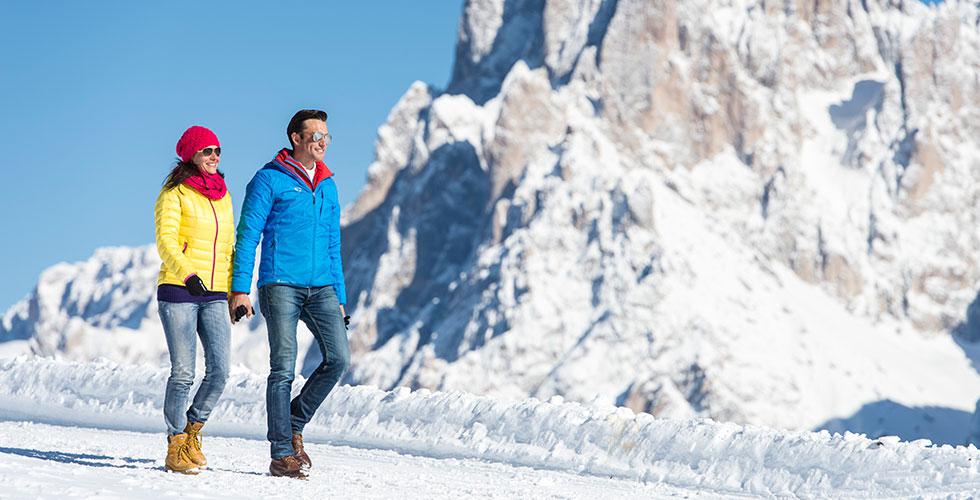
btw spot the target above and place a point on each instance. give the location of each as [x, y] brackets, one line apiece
[95, 95]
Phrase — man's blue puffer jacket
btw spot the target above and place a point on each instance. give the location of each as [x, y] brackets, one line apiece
[299, 225]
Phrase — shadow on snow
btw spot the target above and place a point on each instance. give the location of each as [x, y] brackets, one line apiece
[888, 418]
[79, 458]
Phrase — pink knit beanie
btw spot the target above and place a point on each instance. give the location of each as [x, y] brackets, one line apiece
[195, 139]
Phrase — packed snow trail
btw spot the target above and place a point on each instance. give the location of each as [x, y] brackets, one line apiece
[588, 442]
[46, 461]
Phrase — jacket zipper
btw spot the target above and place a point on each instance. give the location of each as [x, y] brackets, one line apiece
[309, 184]
[316, 222]
[214, 253]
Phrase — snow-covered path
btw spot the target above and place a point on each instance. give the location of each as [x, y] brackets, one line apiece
[95, 429]
[50, 461]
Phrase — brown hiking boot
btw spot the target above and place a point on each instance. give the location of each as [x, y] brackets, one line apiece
[178, 459]
[287, 466]
[301, 455]
[193, 430]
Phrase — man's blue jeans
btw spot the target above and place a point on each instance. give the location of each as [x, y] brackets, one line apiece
[283, 306]
[183, 322]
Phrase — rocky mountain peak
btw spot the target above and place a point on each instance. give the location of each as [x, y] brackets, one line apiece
[647, 189]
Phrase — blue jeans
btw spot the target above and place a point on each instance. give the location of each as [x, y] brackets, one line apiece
[182, 323]
[283, 306]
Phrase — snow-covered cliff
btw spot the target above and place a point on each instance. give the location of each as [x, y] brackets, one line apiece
[758, 211]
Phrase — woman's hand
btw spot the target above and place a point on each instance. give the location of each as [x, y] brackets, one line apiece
[195, 285]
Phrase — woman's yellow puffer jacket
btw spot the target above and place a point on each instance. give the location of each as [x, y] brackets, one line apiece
[195, 235]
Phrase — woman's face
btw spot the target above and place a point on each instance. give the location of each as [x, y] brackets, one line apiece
[208, 162]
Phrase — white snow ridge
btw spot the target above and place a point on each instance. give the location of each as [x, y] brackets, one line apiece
[693, 456]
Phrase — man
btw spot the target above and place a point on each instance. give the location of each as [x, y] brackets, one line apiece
[292, 203]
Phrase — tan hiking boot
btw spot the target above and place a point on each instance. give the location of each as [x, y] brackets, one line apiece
[287, 466]
[301, 455]
[193, 430]
[178, 460]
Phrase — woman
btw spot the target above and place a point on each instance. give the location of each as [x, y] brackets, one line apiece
[195, 237]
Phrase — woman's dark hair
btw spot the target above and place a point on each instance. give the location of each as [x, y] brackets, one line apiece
[181, 171]
[296, 123]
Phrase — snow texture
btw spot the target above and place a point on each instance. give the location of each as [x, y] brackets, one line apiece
[696, 455]
[42, 461]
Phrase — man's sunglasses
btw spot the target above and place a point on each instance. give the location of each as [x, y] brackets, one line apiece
[319, 136]
[208, 151]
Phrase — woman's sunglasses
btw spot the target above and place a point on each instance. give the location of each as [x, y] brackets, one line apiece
[208, 151]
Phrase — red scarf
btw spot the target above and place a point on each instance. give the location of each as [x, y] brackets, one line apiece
[210, 185]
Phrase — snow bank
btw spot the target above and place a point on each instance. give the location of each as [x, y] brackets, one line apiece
[596, 440]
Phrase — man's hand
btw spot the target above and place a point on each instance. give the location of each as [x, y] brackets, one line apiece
[343, 314]
[239, 299]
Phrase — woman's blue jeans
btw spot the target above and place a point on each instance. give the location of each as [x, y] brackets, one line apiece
[183, 322]
[283, 306]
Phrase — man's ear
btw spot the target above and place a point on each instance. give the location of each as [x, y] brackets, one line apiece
[294, 139]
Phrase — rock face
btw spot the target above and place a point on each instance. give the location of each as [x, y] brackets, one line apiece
[720, 208]
[761, 212]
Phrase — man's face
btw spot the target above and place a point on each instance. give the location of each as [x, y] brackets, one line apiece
[306, 142]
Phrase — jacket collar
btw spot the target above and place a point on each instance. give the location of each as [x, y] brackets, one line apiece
[284, 160]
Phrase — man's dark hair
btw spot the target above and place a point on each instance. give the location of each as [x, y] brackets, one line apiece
[296, 122]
